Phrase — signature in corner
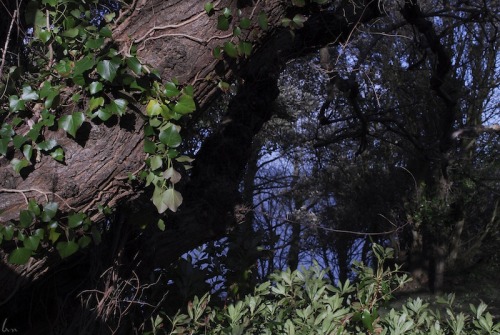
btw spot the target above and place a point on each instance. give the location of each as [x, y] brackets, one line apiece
[5, 329]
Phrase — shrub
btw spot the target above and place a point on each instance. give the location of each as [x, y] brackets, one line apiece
[304, 302]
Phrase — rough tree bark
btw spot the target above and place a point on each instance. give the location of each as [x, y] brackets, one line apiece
[175, 37]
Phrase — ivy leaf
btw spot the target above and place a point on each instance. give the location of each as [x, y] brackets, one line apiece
[149, 146]
[67, 249]
[20, 256]
[16, 104]
[155, 162]
[107, 69]
[263, 21]
[134, 64]
[44, 35]
[230, 50]
[245, 48]
[117, 106]
[47, 145]
[25, 218]
[299, 3]
[18, 165]
[75, 220]
[71, 123]
[166, 199]
[58, 154]
[245, 23]
[33, 207]
[71, 33]
[185, 105]
[96, 103]
[29, 94]
[95, 87]
[84, 64]
[217, 53]
[31, 242]
[49, 211]
[27, 151]
[4, 145]
[103, 113]
[170, 137]
[222, 23]
[161, 225]
[209, 8]
[153, 108]
[299, 20]
[94, 43]
[84, 241]
[172, 175]
[54, 235]
[171, 90]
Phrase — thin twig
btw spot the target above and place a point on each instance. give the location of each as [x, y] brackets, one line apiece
[7, 41]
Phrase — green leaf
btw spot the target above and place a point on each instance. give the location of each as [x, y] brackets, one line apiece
[299, 20]
[155, 162]
[49, 211]
[4, 145]
[209, 8]
[76, 220]
[47, 145]
[18, 141]
[170, 137]
[171, 90]
[33, 207]
[25, 218]
[103, 113]
[166, 199]
[217, 53]
[20, 256]
[95, 103]
[84, 241]
[29, 94]
[54, 235]
[222, 23]
[134, 64]
[227, 12]
[18, 165]
[58, 154]
[153, 108]
[71, 33]
[230, 50]
[263, 21]
[236, 31]
[44, 35]
[245, 48]
[31, 242]
[185, 105]
[149, 146]
[16, 104]
[245, 23]
[84, 64]
[71, 123]
[27, 151]
[107, 69]
[94, 43]
[67, 249]
[299, 3]
[106, 32]
[117, 106]
[8, 232]
[95, 87]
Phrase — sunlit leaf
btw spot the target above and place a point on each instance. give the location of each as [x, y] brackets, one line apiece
[170, 137]
[71, 123]
[153, 108]
[185, 105]
[19, 164]
[108, 69]
[29, 94]
[16, 104]
[166, 199]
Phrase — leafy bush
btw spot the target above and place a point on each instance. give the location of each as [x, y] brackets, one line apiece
[304, 302]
